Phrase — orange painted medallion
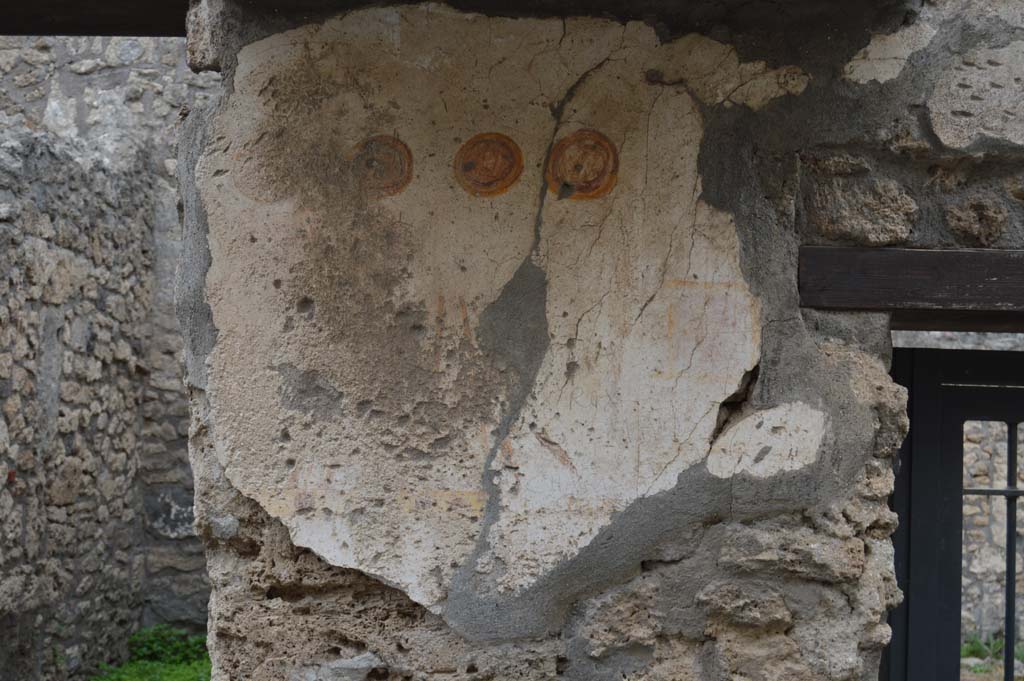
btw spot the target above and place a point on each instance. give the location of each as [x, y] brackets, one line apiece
[488, 164]
[383, 165]
[583, 165]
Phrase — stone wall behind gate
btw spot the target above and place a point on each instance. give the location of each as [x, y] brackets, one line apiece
[984, 542]
[494, 347]
[95, 491]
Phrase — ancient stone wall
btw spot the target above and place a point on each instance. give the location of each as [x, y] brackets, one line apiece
[97, 495]
[76, 256]
[497, 365]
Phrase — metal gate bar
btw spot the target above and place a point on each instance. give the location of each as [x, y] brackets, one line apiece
[1009, 632]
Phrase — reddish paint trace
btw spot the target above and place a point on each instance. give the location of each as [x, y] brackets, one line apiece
[383, 165]
[488, 164]
[583, 165]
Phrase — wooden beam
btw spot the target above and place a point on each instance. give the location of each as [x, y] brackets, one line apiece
[957, 320]
[167, 17]
[94, 17]
[911, 279]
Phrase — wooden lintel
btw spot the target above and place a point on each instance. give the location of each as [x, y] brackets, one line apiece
[167, 17]
[94, 17]
[957, 320]
[889, 279]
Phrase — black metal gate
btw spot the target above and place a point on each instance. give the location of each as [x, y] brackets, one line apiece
[947, 388]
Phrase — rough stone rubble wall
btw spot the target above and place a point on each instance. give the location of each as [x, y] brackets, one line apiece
[98, 493]
[74, 299]
[463, 411]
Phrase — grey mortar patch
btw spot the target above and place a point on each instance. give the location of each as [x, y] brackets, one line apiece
[613, 556]
[308, 391]
[513, 330]
[750, 166]
[619, 551]
[195, 317]
[513, 333]
[51, 358]
[612, 666]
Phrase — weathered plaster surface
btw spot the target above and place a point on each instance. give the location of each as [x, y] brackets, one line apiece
[431, 380]
[783, 438]
[885, 56]
[555, 432]
[975, 98]
[979, 98]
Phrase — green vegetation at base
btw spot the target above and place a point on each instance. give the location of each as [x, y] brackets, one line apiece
[145, 670]
[162, 653]
[989, 651]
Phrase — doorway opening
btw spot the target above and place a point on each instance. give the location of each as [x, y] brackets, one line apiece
[958, 480]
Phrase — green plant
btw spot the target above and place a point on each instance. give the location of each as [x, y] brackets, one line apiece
[147, 670]
[161, 653]
[988, 649]
[164, 643]
[974, 646]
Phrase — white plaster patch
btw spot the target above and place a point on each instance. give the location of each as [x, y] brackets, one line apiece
[352, 395]
[346, 669]
[981, 98]
[60, 113]
[714, 73]
[885, 56]
[783, 438]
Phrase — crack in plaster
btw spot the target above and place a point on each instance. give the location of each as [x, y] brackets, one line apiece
[516, 405]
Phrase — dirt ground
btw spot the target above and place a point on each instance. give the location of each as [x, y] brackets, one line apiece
[995, 674]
